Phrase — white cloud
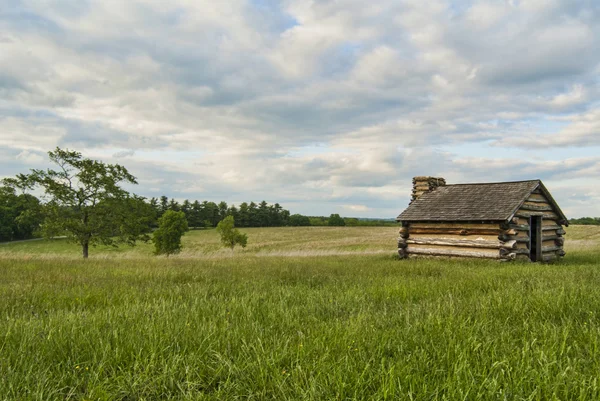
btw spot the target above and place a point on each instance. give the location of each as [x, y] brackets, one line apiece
[212, 99]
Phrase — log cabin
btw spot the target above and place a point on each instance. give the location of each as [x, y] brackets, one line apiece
[501, 220]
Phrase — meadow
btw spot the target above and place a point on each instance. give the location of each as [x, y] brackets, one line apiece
[314, 313]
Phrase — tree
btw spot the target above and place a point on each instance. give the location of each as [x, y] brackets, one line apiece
[167, 238]
[86, 203]
[336, 220]
[20, 215]
[174, 205]
[222, 210]
[164, 205]
[230, 236]
[299, 220]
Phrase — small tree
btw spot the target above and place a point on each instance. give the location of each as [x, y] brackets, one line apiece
[230, 236]
[336, 220]
[171, 227]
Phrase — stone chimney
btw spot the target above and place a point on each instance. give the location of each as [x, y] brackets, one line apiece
[425, 184]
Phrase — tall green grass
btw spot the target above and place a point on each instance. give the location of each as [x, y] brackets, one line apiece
[364, 326]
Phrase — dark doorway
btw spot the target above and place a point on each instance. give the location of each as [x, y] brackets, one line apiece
[535, 238]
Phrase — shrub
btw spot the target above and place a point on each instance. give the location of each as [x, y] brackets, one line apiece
[167, 238]
[230, 236]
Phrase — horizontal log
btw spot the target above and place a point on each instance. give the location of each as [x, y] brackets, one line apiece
[525, 227]
[455, 231]
[459, 225]
[537, 198]
[510, 256]
[549, 222]
[560, 231]
[561, 253]
[493, 238]
[404, 232]
[553, 248]
[540, 207]
[457, 252]
[545, 215]
[559, 241]
[402, 245]
[453, 242]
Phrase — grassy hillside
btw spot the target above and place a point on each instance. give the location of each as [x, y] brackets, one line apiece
[311, 313]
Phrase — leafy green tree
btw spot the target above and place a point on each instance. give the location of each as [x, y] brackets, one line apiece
[163, 206]
[186, 208]
[297, 220]
[230, 236]
[20, 215]
[222, 210]
[86, 203]
[336, 220]
[174, 205]
[167, 238]
[253, 220]
[244, 213]
[233, 211]
[263, 214]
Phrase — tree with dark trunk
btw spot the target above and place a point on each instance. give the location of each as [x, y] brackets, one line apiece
[85, 202]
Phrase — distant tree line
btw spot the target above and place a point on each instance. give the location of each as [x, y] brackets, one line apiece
[208, 214]
[586, 221]
[20, 215]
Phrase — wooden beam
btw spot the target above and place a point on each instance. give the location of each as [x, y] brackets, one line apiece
[554, 248]
[455, 242]
[456, 225]
[456, 231]
[537, 207]
[446, 252]
[528, 213]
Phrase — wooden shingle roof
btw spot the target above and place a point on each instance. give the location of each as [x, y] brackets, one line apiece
[474, 202]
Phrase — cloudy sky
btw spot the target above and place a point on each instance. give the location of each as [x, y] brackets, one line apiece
[325, 106]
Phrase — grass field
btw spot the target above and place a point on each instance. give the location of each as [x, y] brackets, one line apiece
[301, 314]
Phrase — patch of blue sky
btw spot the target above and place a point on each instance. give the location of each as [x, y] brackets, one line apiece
[284, 20]
[340, 60]
[27, 113]
[310, 150]
[18, 18]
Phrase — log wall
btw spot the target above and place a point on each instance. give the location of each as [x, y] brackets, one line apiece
[552, 231]
[475, 240]
[502, 241]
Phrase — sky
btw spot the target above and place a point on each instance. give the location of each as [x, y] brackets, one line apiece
[325, 106]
